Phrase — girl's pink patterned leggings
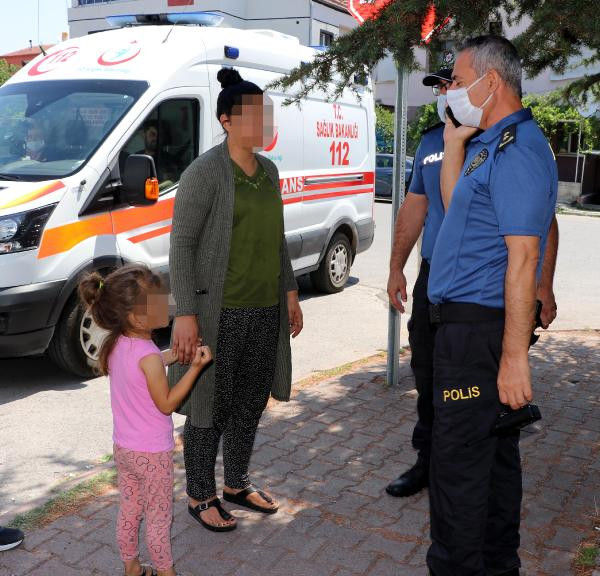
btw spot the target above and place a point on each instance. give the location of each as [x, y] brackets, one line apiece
[146, 490]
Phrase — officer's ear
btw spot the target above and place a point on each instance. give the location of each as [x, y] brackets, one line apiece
[493, 80]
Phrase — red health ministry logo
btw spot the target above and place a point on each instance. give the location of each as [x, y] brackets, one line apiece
[52, 61]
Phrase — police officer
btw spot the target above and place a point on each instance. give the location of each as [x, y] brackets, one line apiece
[422, 210]
[482, 285]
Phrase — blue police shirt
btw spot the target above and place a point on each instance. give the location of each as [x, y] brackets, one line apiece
[425, 180]
[508, 187]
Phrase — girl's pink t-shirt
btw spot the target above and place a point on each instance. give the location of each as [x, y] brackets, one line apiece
[137, 423]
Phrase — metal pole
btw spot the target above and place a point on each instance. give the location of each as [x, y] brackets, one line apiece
[397, 199]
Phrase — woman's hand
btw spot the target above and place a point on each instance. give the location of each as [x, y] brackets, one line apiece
[185, 338]
[294, 313]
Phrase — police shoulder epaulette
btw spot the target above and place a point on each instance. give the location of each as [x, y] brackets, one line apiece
[431, 128]
[508, 136]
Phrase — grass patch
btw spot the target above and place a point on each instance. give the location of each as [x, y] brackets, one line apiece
[106, 458]
[320, 375]
[587, 555]
[67, 502]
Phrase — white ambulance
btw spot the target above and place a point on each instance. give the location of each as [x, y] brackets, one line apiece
[71, 119]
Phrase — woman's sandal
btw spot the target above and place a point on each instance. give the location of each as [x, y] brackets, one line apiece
[241, 499]
[216, 503]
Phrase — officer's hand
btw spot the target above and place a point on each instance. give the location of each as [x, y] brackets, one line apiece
[452, 134]
[514, 380]
[185, 338]
[549, 310]
[397, 286]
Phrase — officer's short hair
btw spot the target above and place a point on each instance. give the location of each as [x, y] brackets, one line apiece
[496, 52]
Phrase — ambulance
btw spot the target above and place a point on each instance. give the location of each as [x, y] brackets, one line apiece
[94, 135]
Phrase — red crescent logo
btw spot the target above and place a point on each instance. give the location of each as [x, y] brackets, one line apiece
[272, 144]
[51, 61]
[113, 57]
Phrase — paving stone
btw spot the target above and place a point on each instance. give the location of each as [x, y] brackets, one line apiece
[55, 567]
[328, 455]
[20, 562]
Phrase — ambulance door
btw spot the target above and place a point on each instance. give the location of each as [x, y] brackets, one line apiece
[338, 184]
[170, 133]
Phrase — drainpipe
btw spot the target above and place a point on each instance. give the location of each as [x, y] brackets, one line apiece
[310, 25]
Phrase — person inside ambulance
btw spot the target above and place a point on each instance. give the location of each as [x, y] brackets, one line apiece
[35, 147]
[166, 168]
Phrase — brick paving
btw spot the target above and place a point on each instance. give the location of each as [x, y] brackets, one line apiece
[328, 454]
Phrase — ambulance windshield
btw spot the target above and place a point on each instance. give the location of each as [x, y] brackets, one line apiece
[49, 129]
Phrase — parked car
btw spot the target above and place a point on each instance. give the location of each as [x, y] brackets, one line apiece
[384, 175]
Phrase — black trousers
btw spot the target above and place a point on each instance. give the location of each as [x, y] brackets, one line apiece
[475, 479]
[245, 364]
[421, 337]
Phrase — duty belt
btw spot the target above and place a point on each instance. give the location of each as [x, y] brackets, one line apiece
[463, 312]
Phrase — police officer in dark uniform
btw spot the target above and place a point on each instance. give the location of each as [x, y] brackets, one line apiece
[422, 210]
[482, 286]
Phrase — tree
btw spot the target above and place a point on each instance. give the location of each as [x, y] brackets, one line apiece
[557, 31]
[384, 130]
[6, 70]
[558, 119]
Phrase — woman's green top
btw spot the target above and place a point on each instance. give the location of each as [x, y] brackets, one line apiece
[252, 279]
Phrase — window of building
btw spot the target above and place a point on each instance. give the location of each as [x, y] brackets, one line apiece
[441, 55]
[325, 38]
[495, 27]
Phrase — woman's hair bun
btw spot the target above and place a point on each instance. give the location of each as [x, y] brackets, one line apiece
[229, 77]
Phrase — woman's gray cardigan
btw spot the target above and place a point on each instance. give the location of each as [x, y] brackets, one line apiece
[198, 261]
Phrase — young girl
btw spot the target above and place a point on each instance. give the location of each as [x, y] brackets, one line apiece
[130, 303]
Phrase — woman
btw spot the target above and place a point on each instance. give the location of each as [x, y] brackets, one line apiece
[234, 287]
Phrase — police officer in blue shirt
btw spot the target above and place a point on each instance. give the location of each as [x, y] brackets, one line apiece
[482, 285]
[422, 210]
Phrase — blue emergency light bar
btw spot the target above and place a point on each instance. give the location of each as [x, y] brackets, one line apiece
[169, 18]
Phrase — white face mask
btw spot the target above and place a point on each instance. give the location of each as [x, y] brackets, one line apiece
[442, 102]
[461, 106]
[34, 146]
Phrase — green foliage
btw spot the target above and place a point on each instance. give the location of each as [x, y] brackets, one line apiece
[6, 70]
[551, 110]
[556, 31]
[384, 129]
[426, 117]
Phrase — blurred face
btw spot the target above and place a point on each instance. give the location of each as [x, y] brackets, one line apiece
[251, 125]
[153, 313]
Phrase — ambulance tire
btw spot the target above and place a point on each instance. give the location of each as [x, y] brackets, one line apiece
[65, 349]
[334, 270]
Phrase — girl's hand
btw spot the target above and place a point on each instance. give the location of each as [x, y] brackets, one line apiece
[296, 319]
[202, 358]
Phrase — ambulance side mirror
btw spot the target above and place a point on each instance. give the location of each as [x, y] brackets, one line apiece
[139, 184]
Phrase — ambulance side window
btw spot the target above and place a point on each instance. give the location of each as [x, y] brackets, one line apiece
[170, 135]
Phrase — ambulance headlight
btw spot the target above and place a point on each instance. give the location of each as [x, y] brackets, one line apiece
[8, 228]
[19, 232]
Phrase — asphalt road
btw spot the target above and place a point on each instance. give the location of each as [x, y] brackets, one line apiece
[54, 426]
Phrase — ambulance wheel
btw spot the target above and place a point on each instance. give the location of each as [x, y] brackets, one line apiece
[76, 341]
[334, 271]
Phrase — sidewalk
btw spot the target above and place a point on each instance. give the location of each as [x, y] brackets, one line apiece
[328, 455]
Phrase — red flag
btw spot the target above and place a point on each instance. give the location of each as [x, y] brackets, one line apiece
[180, 3]
[428, 25]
